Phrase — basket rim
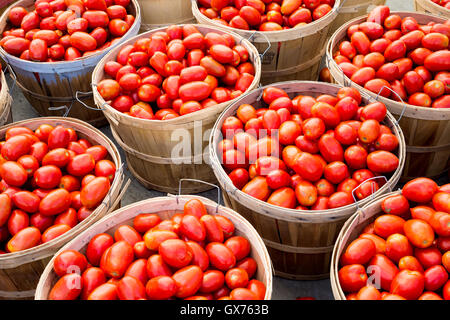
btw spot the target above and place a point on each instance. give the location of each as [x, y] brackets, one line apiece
[85, 223]
[284, 213]
[262, 250]
[334, 41]
[115, 114]
[4, 17]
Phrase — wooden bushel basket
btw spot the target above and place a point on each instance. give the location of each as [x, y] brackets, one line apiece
[20, 271]
[293, 54]
[150, 144]
[53, 88]
[165, 207]
[426, 130]
[428, 6]
[299, 242]
[5, 102]
[160, 13]
[351, 230]
[351, 9]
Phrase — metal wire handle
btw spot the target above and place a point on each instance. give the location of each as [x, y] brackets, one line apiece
[269, 45]
[373, 191]
[13, 76]
[102, 107]
[219, 194]
[404, 104]
[64, 107]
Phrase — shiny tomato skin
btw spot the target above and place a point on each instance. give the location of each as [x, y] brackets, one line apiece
[55, 202]
[420, 190]
[188, 280]
[397, 205]
[220, 256]
[145, 221]
[330, 148]
[352, 277]
[213, 230]
[308, 167]
[384, 268]
[161, 288]
[54, 232]
[441, 202]
[397, 247]
[24, 239]
[283, 197]
[359, 251]
[428, 257]
[175, 252]
[258, 188]
[419, 232]
[410, 263]
[386, 225]
[130, 288]
[380, 243]
[382, 161]
[91, 278]
[408, 284]
[26, 201]
[440, 222]
[81, 165]
[69, 261]
[239, 246]
[127, 234]
[67, 288]
[94, 192]
[13, 173]
[116, 259]
[106, 291]
[199, 256]
[47, 176]
[435, 278]
[212, 281]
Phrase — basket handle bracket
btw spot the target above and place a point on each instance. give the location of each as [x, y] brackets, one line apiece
[373, 190]
[398, 96]
[219, 195]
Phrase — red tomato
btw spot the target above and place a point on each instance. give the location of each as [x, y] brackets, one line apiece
[116, 259]
[68, 287]
[69, 261]
[352, 277]
[161, 288]
[188, 280]
[420, 190]
[359, 251]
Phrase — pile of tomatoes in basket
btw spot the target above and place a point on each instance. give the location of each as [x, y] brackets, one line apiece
[265, 15]
[308, 153]
[50, 181]
[192, 256]
[406, 250]
[177, 71]
[388, 53]
[442, 3]
[61, 30]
